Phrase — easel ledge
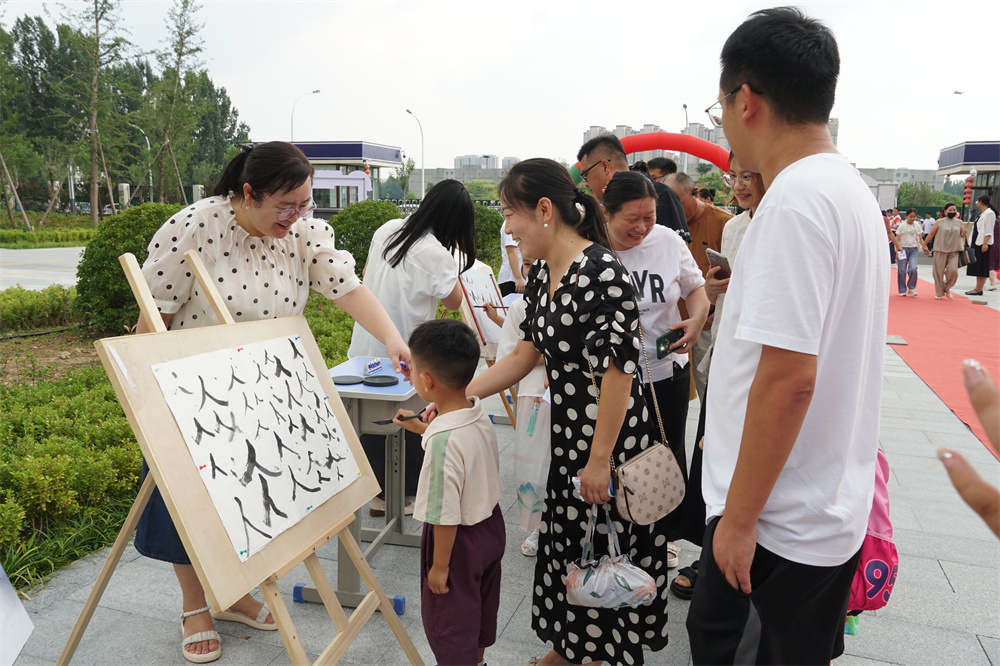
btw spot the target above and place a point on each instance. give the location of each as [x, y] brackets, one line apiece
[347, 628]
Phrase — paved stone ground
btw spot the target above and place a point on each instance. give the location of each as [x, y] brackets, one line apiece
[945, 608]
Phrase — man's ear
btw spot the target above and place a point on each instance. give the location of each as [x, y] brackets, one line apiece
[750, 106]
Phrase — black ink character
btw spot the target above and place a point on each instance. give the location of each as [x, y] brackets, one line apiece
[268, 502]
[282, 370]
[259, 428]
[215, 467]
[306, 427]
[330, 459]
[201, 431]
[260, 373]
[247, 523]
[296, 484]
[232, 429]
[205, 395]
[281, 445]
[321, 477]
[233, 380]
[295, 350]
[252, 465]
[290, 398]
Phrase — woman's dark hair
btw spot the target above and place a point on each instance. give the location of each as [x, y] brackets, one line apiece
[985, 200]
[528, 181]
[447, 212]
[269, 167]
[912, 210]
[947, 206]
[641, 167]
[626, 186]
[707, 193]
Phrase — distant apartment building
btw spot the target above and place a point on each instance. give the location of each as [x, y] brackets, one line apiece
[482, 161]
[714, 135]
[903, 175]
[508, 162]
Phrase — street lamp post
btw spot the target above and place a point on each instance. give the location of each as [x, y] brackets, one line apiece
[149, 169]
[292, 132]
[423, 182]
[685, 132]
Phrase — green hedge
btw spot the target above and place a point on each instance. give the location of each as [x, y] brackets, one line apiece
[69, 471]
[104, 297]
[488, 225]
[24, 309]
[355, 225]
[42, 237]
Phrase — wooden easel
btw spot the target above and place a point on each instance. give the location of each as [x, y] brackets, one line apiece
[224, 578]
[487, 350]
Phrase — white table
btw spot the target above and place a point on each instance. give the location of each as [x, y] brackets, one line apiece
[365, 404]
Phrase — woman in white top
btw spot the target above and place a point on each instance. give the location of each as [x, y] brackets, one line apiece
[909, 236]
[982, 239]
[264, 253]
[663, 271]
[411, 266]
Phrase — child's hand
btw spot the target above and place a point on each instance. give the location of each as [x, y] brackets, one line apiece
[411, 424]
[430, 413]
[491, 311]
[437, 580]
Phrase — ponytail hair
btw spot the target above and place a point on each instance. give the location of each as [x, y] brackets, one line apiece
[528, 181]
[270, 167]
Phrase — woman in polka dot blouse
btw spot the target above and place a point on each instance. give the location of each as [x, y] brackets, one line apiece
[580, 307]
[264, 253]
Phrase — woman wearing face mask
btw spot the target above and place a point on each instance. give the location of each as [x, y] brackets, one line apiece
[949, 233]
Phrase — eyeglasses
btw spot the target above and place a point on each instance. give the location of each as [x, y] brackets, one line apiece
[287, 213]
[583, 174]
[745, 180]
[717, 119]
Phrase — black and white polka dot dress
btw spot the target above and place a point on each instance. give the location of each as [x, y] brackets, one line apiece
[259, 278]
[593, 311]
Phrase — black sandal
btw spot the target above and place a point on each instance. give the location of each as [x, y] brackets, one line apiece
[685, 592]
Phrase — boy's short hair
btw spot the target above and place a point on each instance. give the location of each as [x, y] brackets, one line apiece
[448, 348]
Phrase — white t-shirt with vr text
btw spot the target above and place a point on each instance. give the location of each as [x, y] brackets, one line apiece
[812, 278]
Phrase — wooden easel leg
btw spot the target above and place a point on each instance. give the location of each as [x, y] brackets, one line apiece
[510, 412]
[326, 592]
[107, 570]
[296, 652]
[367, 575]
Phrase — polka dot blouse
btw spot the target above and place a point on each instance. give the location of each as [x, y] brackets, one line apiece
[258, 278]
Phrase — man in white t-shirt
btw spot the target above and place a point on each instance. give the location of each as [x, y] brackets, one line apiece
[510, 279]
[791, 438]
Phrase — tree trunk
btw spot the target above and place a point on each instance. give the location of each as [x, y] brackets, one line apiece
[10, 180]
[6, 203]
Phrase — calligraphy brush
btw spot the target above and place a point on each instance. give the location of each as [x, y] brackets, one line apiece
[402, 418]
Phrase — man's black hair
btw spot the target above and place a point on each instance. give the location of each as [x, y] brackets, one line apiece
[607, 145]
[448, 348]
[789, 58]
[664, 164]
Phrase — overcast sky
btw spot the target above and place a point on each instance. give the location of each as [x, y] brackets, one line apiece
[528, 78]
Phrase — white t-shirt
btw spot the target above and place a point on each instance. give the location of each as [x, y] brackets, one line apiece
[984, 225]
[410, 291]
[909, 235]
[811, 278]
[662, 271]
[928, 225]
[506, 270]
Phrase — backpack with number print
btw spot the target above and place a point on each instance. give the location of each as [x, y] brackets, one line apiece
[879, 561]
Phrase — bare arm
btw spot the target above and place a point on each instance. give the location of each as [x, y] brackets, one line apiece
[515, 264]
[142, 327]
[506, 372]
[362, 305]
[930, 237]
[697, 307]
[779, 398]
[454, 299]
[444, 541]
[616, 390]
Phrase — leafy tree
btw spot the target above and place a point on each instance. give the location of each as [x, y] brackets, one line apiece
[482, 190]
[704, 168]
[921, 194]
[391, 189]
[403, 174]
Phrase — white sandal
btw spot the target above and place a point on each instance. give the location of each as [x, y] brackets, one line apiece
[212, 635]
[530, 546]
[673, 550]
[260, 622]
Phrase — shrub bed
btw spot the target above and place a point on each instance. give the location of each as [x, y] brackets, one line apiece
[355, 225]
[25, 309]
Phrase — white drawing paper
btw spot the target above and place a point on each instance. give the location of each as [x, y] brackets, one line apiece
[262, 434]
[481, 288]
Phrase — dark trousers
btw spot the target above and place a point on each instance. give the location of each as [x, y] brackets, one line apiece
[464, 619]
[374, 446]
[794, 614]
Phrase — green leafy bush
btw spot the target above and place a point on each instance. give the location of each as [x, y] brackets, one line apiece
[22, 238]
[103, 294]
[24, 309]
[69, 470]
[488, 225]
[355, 225]
[331, 326]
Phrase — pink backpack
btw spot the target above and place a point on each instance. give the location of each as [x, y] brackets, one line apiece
[879, 562]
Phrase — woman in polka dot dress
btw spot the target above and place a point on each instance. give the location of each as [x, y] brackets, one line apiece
[264, 254]
[579, 301]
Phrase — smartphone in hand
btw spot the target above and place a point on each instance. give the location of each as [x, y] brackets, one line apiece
[664, 342]
[717, 259]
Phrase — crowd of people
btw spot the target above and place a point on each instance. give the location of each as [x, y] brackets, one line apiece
[617, 287]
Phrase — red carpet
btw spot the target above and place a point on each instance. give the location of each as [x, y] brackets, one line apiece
[939, 336]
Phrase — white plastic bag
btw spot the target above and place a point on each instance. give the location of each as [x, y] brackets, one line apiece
[611, 582]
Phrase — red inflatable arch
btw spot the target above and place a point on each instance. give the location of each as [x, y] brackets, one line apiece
[685, 143]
